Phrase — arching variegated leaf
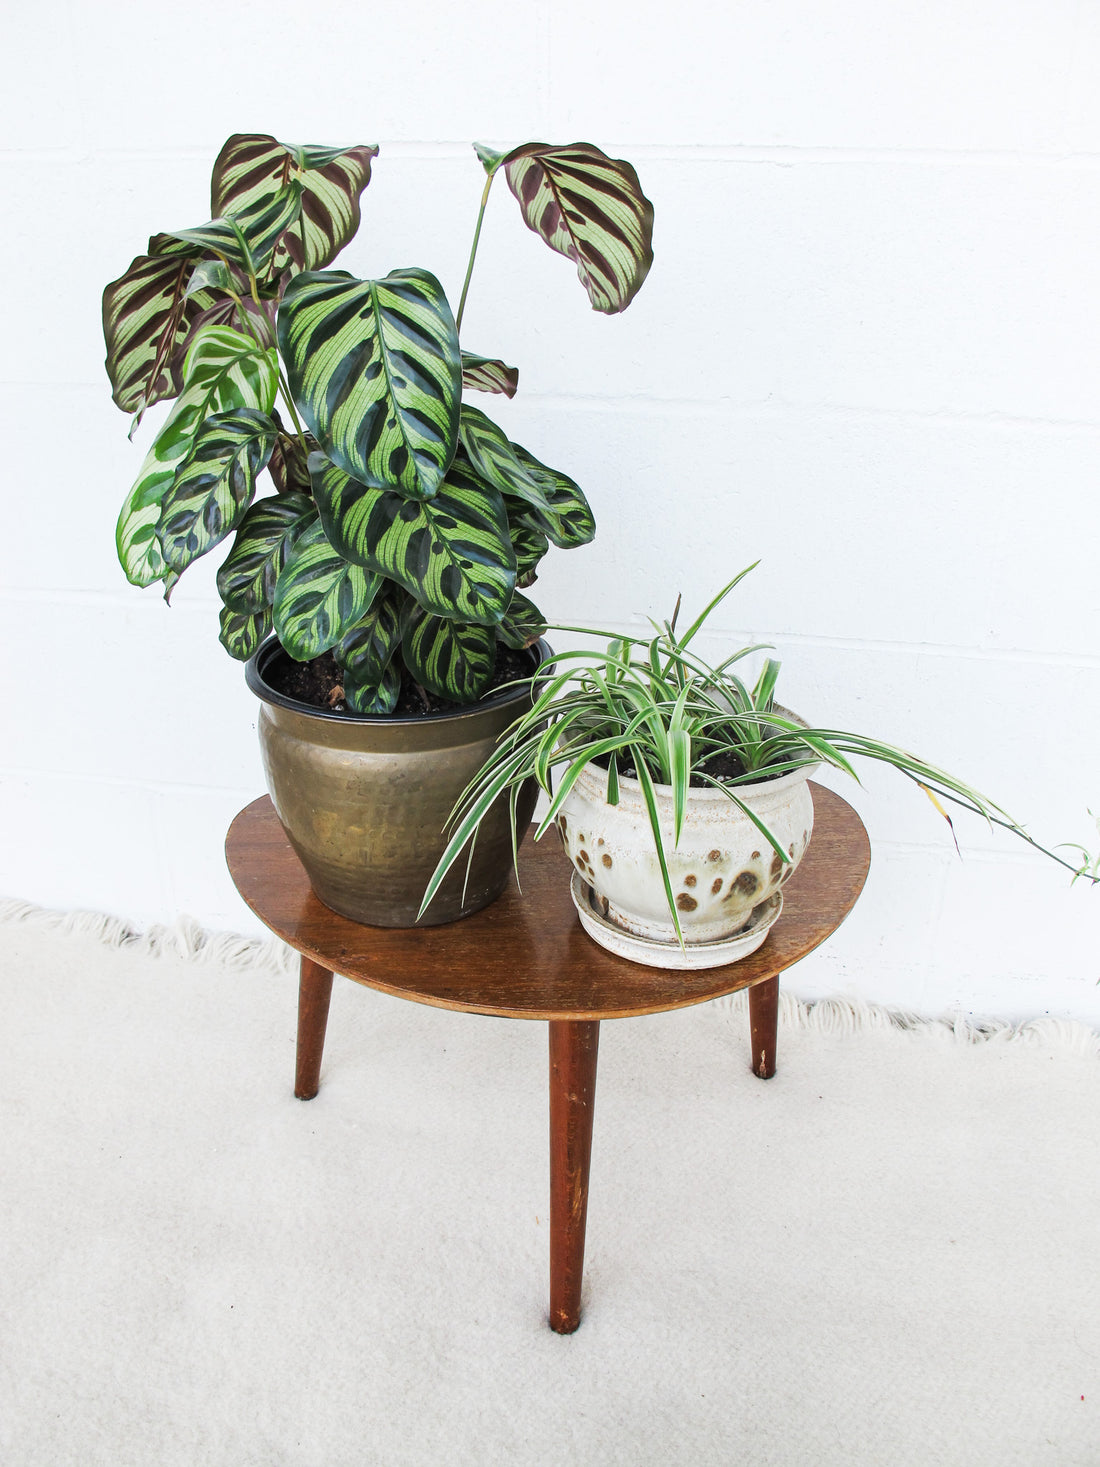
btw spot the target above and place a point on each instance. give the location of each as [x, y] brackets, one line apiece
[224, 370]
[319, 595]
[557, 503]
[148, 316]
[529, 544]
[214, 485]
[246, 239]
[247, 576]
[452, 659]
[364, 696]
[241, 633]
[453, 553]
[253, 167]
[367, 649]
[523, 623]
[374, 368]
[489, 374]
[590, 208]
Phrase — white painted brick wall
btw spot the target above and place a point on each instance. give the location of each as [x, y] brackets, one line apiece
[867, 354]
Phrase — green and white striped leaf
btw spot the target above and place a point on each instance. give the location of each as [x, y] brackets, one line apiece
[374, 368]
[523, 623]
[489, 374]
[367, 649]
[557, 504]
[590, 208]
[148, 316]
[319, 595]
[252, 167]
[214, 485]
[247, 576]
[246, 239]
[241, 633]
[452, 659]
[224, 370]
[528, 543]
[453, 553]
[378, 698]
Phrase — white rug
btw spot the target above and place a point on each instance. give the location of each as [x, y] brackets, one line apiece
[889, 1254]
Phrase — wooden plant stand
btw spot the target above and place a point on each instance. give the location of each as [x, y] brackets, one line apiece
[527, 957]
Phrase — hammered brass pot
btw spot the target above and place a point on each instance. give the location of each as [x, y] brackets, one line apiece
[364, 800]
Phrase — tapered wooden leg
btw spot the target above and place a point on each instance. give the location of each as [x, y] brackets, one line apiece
[764, 1025]
[314, 992]
[573, 1050]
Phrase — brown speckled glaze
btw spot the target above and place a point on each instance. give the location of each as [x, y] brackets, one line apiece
[716, 835]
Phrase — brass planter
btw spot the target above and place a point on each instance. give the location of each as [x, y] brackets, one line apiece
[364, 800]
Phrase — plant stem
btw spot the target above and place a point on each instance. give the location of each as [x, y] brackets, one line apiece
[473, 249]
[289, 401]
[246, 322]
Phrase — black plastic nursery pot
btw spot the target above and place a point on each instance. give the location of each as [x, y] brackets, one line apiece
[364, 800]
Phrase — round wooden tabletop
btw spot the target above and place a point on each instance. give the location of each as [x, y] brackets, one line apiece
[527, 956]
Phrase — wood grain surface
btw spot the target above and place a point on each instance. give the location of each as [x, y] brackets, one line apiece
[527, 956]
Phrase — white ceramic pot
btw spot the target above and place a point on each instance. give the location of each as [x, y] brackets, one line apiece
[722, 869]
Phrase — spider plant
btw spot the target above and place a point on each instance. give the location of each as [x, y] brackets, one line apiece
[656, 711]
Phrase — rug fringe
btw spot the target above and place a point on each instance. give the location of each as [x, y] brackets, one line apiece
[186, 938]
[844, 1016]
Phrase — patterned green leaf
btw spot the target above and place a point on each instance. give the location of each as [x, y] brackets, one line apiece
[224, 370]
[374, 367]
[242, 633]
[558, 505]
[564, 514]
[528, 542]
[489, 374]
[214, 485]
[370, 673]
[148, 316]
[453, 553]
[211, 275]
[452, 659]
[319, 595]
[253, 166]
[246, 239]
[590, 208]
[367, 649]
[380, 697]
[246, 579]
[523, 623]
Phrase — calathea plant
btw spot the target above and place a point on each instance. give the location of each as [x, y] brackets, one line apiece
[404, 526]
